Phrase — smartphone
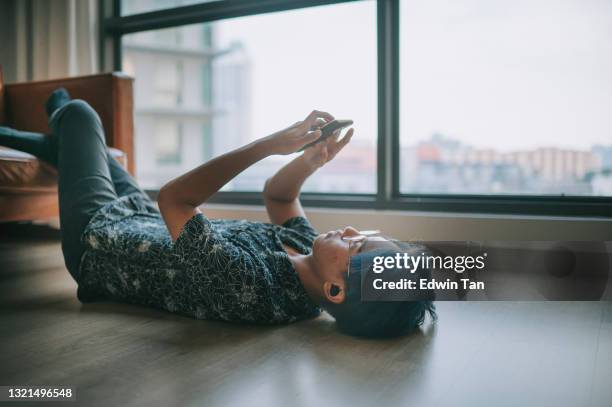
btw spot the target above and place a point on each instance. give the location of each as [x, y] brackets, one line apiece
[328, 130]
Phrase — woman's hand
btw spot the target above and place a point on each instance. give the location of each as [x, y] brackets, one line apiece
[325, 151]
[294, 137]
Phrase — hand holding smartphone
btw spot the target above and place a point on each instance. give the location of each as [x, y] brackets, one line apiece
[328, 130]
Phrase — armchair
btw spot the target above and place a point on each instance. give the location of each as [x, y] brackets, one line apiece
[28, 187]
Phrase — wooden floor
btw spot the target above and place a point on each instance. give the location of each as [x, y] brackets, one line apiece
[478, 354]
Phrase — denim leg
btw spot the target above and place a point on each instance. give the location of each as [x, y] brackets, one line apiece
[84, 179]
[44, 146]
[39, 145]
[123, 182]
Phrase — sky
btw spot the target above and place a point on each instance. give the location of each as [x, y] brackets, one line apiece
[320, 58]
[509, 75]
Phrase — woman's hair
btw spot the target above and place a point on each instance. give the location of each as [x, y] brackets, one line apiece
[378, 319]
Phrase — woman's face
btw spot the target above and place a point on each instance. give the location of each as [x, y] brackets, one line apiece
[331, 250]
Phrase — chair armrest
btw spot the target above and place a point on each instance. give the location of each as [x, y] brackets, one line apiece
[110, 94]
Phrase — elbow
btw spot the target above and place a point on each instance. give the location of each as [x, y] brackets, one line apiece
[273, 194]
[163, 198]
[269, 194]
[266, 189]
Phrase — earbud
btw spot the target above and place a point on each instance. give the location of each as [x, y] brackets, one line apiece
[334, 290]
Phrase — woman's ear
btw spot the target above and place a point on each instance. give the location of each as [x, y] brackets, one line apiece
[334, 292]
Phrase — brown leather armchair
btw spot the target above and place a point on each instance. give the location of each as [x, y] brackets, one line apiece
[28, 187]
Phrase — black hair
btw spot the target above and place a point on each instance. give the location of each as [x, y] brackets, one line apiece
[378, 319]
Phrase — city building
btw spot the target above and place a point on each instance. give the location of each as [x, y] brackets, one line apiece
[187, 90]
[445, 165]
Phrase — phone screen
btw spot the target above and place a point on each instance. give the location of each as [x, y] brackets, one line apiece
[328, 130]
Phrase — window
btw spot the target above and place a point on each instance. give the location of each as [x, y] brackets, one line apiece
[167, 79]
[251, 76]
[144, 6]
[506, 97]
[168, 142]
[171, 104]
[485, 107]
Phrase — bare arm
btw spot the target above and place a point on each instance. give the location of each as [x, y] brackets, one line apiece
[282, 191]
[180, 198]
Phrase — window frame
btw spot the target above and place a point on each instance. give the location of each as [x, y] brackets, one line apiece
[388, 195]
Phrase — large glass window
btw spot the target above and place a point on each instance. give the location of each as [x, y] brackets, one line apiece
[243, 78]
[144, 6]
[506, 97]
[168, 142]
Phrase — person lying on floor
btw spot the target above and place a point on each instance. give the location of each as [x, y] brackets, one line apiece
[118, 246]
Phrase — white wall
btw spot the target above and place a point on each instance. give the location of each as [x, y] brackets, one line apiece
[437, 226]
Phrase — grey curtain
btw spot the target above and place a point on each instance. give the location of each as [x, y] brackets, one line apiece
[54, 38]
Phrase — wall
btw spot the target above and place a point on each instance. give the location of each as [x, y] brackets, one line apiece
[437, 226]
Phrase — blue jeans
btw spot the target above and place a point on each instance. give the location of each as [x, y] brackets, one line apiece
[88, 177]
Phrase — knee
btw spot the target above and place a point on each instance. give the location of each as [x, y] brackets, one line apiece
[79, 108]
[77, 111]
[76, 118]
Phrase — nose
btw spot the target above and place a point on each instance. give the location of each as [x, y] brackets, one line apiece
[349, 231]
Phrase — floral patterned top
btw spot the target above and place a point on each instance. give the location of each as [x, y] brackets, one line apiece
[232, 270]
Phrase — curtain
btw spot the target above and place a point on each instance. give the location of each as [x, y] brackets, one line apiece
[56, 38]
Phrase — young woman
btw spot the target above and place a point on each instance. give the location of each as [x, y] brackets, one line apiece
[117, 245]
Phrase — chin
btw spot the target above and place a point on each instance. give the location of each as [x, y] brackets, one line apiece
[318, 240]
[315, 245]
